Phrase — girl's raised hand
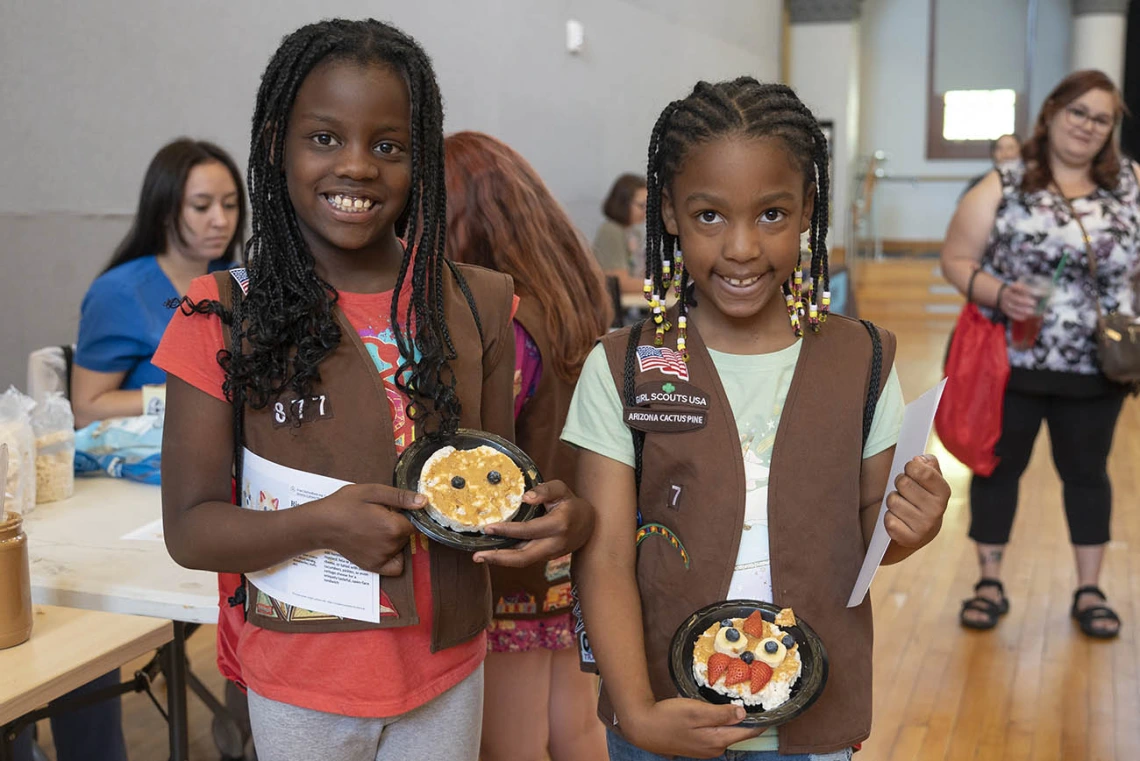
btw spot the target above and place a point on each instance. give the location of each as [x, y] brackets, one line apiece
[364, 523]
[568, 523]
[915, 508]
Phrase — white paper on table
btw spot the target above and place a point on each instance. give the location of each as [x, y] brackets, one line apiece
[151, 532]
[918, 419]
[323, 581]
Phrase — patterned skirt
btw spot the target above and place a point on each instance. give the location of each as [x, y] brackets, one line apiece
[554, 633]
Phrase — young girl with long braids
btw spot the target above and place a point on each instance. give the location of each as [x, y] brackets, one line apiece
[348, 338]
[772, 442]
[500, 215]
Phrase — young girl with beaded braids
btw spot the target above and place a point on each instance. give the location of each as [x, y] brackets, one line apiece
[349, 337]
[762, 434]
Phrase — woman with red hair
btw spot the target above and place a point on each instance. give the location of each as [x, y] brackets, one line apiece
[1039, 243]
[501, 216]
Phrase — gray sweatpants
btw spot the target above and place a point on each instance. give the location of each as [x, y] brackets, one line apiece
[444, 729]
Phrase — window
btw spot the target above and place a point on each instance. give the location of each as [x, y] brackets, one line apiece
[978, 82]
[978, 114]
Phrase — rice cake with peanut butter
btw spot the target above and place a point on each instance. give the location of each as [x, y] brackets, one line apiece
[469, 489]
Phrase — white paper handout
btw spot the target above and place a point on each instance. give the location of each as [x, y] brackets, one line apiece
[918, 419]
[323, 581]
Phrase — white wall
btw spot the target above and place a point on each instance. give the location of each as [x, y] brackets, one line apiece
[824, 70]
[895, 44]
[90, 90]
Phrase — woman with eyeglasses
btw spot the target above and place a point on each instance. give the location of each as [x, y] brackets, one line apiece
[1019, 246]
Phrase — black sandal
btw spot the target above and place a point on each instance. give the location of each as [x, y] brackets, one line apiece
[1089, 616]
[992, 610]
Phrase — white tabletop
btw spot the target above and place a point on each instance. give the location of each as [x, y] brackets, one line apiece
[80, 560]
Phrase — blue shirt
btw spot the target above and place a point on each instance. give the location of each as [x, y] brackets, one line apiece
[122, 320]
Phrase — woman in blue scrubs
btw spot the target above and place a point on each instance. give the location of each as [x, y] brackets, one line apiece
[190, 216]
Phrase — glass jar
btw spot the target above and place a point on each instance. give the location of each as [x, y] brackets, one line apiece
[15, 582]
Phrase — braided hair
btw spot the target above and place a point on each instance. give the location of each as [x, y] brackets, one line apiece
[742, 106]
[287, 320]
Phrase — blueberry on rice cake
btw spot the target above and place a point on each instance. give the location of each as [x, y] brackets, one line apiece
[468, 489]
[752, 661]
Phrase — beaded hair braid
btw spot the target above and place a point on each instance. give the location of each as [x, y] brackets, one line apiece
[288, 325]
[742, 106]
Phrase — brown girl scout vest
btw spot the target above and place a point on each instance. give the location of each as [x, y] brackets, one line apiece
[542, 590]
[692, 484]
[352, 441]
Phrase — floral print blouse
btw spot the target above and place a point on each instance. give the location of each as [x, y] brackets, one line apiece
[1034, 232]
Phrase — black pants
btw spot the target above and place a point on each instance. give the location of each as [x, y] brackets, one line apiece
[1081, 434]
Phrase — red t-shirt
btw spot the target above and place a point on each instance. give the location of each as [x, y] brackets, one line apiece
[377, 673]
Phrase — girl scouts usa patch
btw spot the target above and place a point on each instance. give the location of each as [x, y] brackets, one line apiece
[677, 394]
[667, 407]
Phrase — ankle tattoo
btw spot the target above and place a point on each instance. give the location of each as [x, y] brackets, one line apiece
[990, 556]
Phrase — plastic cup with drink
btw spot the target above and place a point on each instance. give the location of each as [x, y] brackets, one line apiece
[1023, 333]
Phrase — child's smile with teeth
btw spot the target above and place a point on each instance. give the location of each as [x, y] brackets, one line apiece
[348, 203]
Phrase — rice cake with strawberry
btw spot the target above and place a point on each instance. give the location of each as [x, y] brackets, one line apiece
[752, 661]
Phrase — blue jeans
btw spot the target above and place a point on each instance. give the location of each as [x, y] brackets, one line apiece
[621, 750]
[94, 733]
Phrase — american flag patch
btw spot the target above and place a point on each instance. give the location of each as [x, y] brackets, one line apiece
[240, 275]
[664, 359]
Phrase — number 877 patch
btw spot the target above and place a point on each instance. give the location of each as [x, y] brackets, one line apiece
[303, 410]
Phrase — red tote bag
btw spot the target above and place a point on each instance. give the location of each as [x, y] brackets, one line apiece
[977, 370]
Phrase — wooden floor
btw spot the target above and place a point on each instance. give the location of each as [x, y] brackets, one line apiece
[1034, 688]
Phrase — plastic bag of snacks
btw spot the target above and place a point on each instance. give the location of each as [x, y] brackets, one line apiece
[54, 426]
[128, 448]
[16, 432]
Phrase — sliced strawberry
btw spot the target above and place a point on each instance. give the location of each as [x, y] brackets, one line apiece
[738, 672]
[761, 675]
[754, 625]
[718, 664]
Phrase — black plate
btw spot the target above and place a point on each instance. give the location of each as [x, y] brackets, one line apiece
[412, 461]
[812, 679]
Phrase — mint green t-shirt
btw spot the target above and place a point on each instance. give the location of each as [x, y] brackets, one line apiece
[756, 386]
